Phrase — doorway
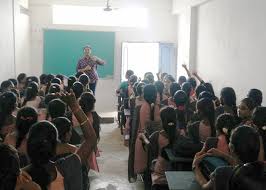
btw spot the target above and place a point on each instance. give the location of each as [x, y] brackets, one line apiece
[142, 57]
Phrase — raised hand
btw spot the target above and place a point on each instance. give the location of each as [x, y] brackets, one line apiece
[184, 66]
[195, 73]
[69, 98]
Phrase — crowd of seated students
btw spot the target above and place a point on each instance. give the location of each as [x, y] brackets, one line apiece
[40, 144]
[187, 118]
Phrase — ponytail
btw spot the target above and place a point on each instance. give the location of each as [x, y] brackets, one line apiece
[168, 117]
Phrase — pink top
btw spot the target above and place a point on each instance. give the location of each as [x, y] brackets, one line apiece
[222, 144]
[204, 131]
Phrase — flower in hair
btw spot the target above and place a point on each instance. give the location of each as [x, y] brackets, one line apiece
[225, 130]
[170, 124]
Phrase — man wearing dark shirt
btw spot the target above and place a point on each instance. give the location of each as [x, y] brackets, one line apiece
[88, 64]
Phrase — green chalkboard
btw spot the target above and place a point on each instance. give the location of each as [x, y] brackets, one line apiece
[63, 49]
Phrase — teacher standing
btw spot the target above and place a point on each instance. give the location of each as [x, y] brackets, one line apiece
[88, 64]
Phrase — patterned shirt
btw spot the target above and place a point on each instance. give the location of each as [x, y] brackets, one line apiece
[92, 74]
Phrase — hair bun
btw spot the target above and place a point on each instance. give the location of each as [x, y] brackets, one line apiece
[170, 124]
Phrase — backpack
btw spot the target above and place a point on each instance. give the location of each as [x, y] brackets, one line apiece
[210, 163]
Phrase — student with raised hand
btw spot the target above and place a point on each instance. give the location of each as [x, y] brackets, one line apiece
[65, 173]
[8, 103]
[245, 110]
[244, 148]
[149, 111]
[256, 96]
[199, 131]
[64, 148]
[11, 177]
[87, 103]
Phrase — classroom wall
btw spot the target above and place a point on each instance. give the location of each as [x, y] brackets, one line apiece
[231, 43]
[15, 39]
[162, 27]
[7, 64]
[22, 38]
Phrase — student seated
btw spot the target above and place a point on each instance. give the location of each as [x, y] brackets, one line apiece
[160, 93]
[259, 123]
[11, 177]
[56, 108]
[78, 89]
[21, 82]
[174, 87]
[31, 97]
[70, 81]
[26, 117]
[168, 80]
[64, 148]
[256, 96]
[8, 102]
[225, 124]
[183, 114]
[85, 80]
[123, 86]
[149, 111]
[166, 137]
[228, 102]
[54, 88]
[245, 110]
[139, 94]
[65, 173]
[6, 86]
[149, 77]
[244, 148]
[199, 131]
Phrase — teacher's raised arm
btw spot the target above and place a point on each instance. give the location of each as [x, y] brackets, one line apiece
[88, 65]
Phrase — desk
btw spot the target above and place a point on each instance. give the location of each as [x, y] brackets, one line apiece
[179, 163]
[179, 180]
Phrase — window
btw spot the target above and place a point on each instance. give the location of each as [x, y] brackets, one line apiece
[141, 58]
[96, 16]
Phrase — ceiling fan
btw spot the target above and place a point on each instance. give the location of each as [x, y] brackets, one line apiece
[108, 7]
